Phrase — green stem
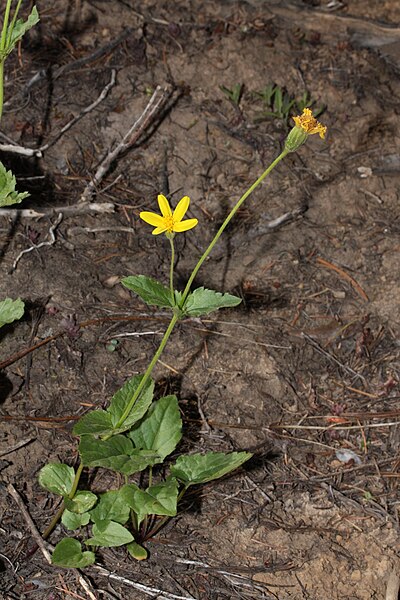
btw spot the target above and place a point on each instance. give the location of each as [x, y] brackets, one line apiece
[4, 30]
[171, 270]
[60, 511]
[147, 374]
[12, 24]
[3, 42]
[150, 476]
[226, 222]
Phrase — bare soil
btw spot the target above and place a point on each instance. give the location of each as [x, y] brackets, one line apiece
[305, 373]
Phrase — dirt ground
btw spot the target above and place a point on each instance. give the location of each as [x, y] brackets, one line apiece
[305, 373]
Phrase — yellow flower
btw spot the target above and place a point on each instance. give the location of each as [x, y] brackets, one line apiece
[168, 221]
[309, 123]
[305, 125]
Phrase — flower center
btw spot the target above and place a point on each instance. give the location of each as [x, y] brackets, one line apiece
[169, 223]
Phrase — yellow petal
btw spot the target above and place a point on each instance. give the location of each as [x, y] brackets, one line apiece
[158, 230]
[181, 209]
[152, 219]
[185, 225]
[164, 206]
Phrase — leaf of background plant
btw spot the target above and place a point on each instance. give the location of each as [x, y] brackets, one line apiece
[74, 521]
[57, 478]
[8, 193]
[161, 428]
[20, 28]
[109, 534]
[81, 502]
[121, 399]
[199, 468]
[117, 454]
[11, 310]
[96, 422]
[111, 507]
[68, 553]
[203, 301]
[152, 292]
[137, 551]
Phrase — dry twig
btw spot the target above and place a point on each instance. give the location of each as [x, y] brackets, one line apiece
[154, 105]
[36, 247]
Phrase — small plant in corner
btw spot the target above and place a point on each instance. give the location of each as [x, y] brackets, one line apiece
[137, 433]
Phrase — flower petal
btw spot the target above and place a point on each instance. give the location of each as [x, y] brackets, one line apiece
[152, 219]
[181, 208]
[185, 225]
[158, 230]
[164, 206]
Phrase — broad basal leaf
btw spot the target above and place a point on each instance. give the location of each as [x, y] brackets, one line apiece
[122, 398]
[10, 310]
[109, 534]
[151, 291]
[137, 551]
[160, 499]
[161, 428]
[203, 301]
[116, 453]
[57, 478]
[103, 422]
[81, 502]
[68, 553]
[111, 507]
[200, 468]
[96, 422]
[74, 521]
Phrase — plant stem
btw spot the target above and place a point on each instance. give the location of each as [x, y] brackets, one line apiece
[226, 222]
[3, 41]
[12, 24]
[147, 374]
[60, 511]
[171, 270]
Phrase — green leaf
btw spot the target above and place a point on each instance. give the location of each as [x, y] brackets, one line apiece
[161, 428]
[96, 422]
[109, 534]
[121, 399]
[74, 521]
[160, 499]
[11, 310]
[112, 507]
[117, 454]
[137, 551]
[68, 553]
[15, 34]
[199, 468]
[151, 291]
[81, 502]
[203, 301]
[101, 422]
[8, 193]
[57, 478]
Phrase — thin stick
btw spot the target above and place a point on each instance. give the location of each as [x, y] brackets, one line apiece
[156, 101]
[149, 591]
[35, 247]
[75, 209]
[20, 444]
[38, 152]
[28, 519]
[84, 112]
